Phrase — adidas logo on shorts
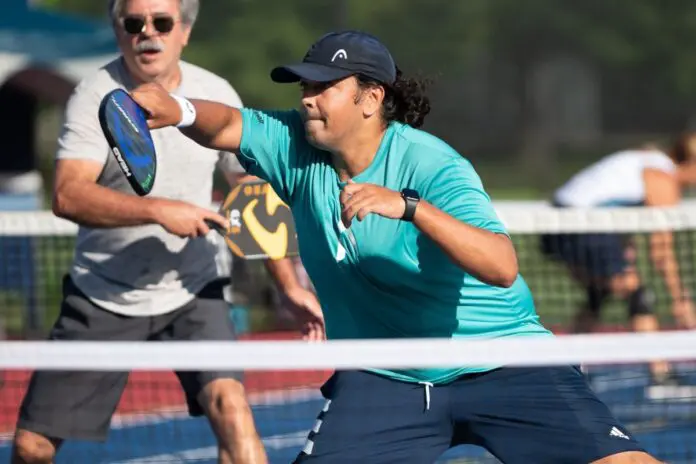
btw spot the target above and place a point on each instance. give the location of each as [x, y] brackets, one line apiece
[615, 432]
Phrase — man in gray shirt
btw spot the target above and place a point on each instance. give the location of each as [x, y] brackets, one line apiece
[144, 267]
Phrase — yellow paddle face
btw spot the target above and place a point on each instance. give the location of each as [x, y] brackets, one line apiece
[259, 224]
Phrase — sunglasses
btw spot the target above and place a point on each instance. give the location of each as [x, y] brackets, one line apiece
[135, 24]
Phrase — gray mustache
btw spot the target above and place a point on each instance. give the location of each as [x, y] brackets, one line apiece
[149, 46]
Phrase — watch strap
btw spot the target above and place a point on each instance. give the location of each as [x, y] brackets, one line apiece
[411, 205]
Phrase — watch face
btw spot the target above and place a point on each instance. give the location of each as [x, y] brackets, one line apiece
[410, 193]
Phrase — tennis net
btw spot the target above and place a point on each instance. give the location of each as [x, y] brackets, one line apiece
[282, 380]
[36, 249]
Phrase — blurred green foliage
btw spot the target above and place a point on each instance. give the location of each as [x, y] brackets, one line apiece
[242, 39]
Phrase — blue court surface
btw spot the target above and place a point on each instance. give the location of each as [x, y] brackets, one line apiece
[663, 419]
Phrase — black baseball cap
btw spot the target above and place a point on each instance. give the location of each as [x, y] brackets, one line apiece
[338, 55]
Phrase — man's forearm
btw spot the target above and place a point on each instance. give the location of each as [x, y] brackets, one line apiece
[217, 126]
[663, 258]
[670, 275]
[488, 256]
[284, 273]
[95, 206]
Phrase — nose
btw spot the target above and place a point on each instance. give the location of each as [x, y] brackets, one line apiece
[149, 29]
[308, 98]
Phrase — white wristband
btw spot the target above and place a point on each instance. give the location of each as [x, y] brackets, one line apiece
[188, 111]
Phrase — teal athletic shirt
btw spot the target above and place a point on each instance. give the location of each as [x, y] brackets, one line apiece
[382, 278]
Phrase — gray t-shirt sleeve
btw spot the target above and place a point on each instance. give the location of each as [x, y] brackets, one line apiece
[81, 136]
[228, 162]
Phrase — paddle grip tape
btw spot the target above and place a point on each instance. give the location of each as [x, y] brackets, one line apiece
[188, 111]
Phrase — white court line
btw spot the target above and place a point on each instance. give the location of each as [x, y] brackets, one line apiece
[685, 393]
[210, 452]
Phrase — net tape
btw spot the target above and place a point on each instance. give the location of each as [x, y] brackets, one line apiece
[350, 354]
[518, 218]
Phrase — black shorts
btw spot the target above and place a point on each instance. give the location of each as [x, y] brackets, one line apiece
[520, 415]
[79, 405]
[598, 256]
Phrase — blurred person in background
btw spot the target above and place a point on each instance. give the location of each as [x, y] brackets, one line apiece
[401, 241]
[285, 300]
[605, 263]
[144, 268]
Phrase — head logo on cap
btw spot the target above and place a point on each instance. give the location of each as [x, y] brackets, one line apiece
[339, 54]
[327, 60]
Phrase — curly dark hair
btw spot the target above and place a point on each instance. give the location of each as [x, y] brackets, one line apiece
[682, 149]
[404, 100]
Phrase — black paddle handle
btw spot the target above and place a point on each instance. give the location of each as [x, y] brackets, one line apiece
[215, 226]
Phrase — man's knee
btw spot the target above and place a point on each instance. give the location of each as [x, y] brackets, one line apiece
[224, 399]
[629, 457]
[625, 283]
[33, 448]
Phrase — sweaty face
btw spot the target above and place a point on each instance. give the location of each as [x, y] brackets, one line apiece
[151, 37]
[330, 111]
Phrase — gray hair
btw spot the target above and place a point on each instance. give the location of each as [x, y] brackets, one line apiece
[189, 10]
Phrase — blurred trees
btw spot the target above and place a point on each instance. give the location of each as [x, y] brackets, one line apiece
[235, 36]
[498, 89]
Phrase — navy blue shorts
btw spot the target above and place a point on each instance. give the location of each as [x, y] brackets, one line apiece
[597, 255]
[520, 415]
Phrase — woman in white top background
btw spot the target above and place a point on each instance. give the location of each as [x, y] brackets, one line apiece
[605, 264]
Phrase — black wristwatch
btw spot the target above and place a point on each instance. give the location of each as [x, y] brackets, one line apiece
[411, 197]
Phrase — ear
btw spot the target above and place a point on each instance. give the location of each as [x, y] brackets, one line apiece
[186, 33]
[118, 31]
[371, 100]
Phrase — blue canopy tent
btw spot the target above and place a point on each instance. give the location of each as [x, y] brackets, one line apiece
[67, 45]
[43, 55]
